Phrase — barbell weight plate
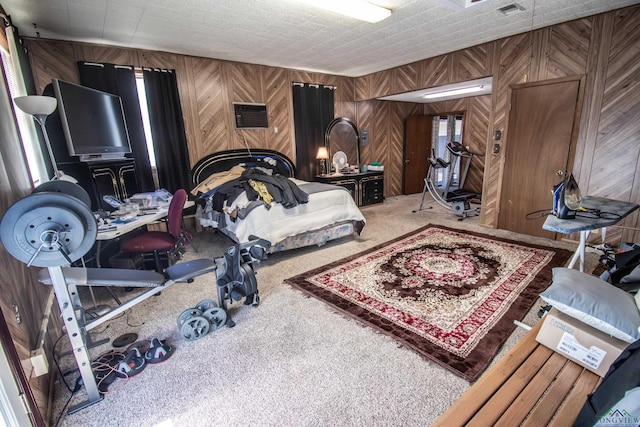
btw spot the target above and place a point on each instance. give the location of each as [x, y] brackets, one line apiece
[217, 317]
[206, 304]
[34, 226]
[64, 187]
[188, 314]
[195, 328]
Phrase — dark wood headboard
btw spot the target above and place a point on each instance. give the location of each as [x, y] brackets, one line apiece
[225, 160]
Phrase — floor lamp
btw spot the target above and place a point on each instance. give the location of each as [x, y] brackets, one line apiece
[40, 107]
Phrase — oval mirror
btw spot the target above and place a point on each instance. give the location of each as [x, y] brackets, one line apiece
[342, 135]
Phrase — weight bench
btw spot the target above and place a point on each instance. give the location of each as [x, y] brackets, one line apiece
[54, 227]
[65, 281]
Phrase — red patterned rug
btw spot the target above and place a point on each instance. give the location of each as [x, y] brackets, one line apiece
[451, 295]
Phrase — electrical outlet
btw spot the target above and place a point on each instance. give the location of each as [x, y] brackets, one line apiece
[39, 363]
[16, 311]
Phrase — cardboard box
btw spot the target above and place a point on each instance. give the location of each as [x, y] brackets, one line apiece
[580, 342]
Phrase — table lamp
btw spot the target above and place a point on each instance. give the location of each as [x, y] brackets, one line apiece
[40, 107]
[323, 155]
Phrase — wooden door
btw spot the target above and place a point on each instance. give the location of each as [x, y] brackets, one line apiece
[540, 136]
[417, 147]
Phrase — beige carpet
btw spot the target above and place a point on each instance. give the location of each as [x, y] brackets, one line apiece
[292, 361]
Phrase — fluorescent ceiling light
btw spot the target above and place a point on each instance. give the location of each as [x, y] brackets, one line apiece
[453, 92]
[358, 9]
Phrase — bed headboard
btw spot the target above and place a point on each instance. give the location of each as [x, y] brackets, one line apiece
[225, 160]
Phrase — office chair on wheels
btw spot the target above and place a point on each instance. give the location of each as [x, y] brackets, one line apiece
[170, 243]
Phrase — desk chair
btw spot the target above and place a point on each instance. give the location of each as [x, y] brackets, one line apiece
[170, 243]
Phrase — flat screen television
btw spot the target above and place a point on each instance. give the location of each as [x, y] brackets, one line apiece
[92, 121]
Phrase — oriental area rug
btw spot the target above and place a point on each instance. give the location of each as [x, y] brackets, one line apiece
[450, 295]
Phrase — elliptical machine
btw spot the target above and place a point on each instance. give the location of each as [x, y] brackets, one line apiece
[459, 204]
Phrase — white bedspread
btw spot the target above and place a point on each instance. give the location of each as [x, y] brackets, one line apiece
[276, 224]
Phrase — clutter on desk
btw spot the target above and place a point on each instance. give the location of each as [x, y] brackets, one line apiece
[153, 198]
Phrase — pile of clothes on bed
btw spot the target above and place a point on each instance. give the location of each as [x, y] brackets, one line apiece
[260, 184]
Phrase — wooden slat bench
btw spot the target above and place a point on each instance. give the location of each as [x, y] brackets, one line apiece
[531, 385]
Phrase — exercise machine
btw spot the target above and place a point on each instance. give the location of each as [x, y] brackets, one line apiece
[460, 205]
[53, 229]
[465, 156]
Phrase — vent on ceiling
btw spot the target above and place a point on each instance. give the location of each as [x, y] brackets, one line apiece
[510, 8]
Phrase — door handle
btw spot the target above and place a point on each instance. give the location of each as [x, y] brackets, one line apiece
[407, 161]
[560, 173]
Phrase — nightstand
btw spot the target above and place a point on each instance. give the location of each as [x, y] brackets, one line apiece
[366, 188]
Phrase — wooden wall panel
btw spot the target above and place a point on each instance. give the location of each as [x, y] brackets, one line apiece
[363, 88]
[394, 165]
[53, 60]
[156, 59]
[477, 138]
[210, 99]
[511, 66]
[246, 86]
[405, 78]
[279, 101]
[568, 48]
[435, 71]
[106, 54]
[364, 120]
[617, 151]
[472, 63]
[381, 83]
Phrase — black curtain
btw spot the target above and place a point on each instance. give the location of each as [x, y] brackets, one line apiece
[121, 80]
[312, 113]
[167, 128]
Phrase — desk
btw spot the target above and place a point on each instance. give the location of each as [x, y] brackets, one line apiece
[127, 227]
[584, 224]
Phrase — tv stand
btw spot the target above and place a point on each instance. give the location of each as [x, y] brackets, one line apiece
[104, 177]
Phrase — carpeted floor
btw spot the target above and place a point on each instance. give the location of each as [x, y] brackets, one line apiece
[450, 295]
[292, 361]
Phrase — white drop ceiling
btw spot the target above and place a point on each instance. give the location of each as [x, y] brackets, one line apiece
[285, 33]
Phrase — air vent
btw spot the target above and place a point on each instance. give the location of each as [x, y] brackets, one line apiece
[250, 116]
[510, 9]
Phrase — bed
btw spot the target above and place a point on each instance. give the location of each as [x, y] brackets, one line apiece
[329, 212]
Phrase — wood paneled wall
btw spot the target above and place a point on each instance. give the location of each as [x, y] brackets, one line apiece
[207, 89]
[600, 47]
[603, 48]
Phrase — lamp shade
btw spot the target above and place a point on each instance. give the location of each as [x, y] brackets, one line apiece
[322, 153]
[36, 105]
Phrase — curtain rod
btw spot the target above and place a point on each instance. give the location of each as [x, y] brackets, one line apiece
[314, 85]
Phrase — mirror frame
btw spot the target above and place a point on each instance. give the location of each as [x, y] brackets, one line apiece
[327, 136]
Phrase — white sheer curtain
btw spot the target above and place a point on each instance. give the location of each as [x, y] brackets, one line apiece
[26, 125]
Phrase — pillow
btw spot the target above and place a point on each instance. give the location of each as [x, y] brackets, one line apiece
[594, 302]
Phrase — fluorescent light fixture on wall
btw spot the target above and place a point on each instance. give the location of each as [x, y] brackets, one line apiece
[358, 9]
[453, 92]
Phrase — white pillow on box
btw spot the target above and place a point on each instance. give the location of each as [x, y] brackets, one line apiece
[594, 302]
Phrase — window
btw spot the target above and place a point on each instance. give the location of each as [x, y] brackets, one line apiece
[142, 98]
[449, 128]
[26, 124]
